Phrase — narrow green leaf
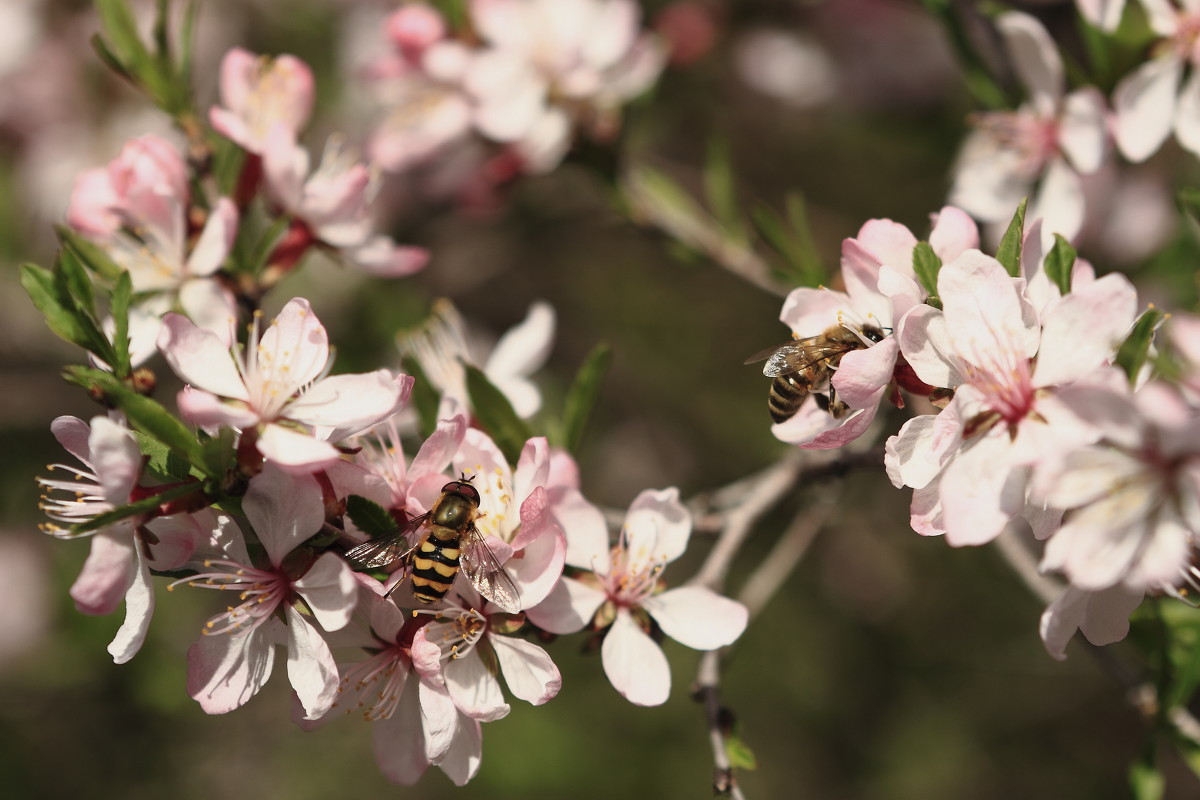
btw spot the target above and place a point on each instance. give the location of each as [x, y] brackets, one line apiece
[368, 516]
[121, 36]
[1132, 353]
[740, 754]
[110, 58]
[1059, 263]
[122, 293]
[75, 285]
[143, 506]
[39, 285]
[496, 414]
[424, 397]
[1145, 780]
[146, 415]
[183, 70]
[583, 395]
[218, 452]
[1009, 251]
[926, 264]
[720, 188]
[89, 253]
[162, 461]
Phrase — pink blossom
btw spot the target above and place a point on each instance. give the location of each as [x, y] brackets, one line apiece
[1048, 142]
[1102, 616]
[413, 726]
[969, 464]
[236, 654]
[119, 564]
[1104, 14]
[1149, 104]
[260, 92]
[877, 268]
[335, 203]
[278, 387]
[625, 593]
[1183, 331]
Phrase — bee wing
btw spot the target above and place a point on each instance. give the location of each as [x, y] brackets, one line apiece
[794, 356]
[486, 574]
[387, 548]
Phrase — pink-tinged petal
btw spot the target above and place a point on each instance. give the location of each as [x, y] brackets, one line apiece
[985, 316]
[72, 433]
[399, 742]
[461, 761]
[109, 571]
[980, 490]
[533, 468]
[437, 451]
[310, 665]
[879, 242]
[215, 240]
[927, 347]
[525, 347]
[584, 527]
[352, 402]
[439, 717]
[808, 424]
[209, 411]
[1163, 15]
[954, 232]
[211, 306]
[634, 664]
[177, 537]
[231, 126]
[611, 33]
[568, 608]
[657, 528]
[530, 674]
[427, 657]
[200, 357]
[475, 690]
[512, 95]
[1104, 14]
[990, 177]
[1083, 330]
[538, 566]
[238, 67]
[1187, 115]
[139, 608]
[543, 146]
[285, 166]
[808, 312]
[295, 452]
[925, 513]
[697, 617]
[115, 458]
[501, 22]
[1083, 129]
[1144, 107]
[382, 257]
[284, 509]
[1035, 59]
[849, 428]
[479, 455]
[294, 351]
[1060, 202]
[905, 454]
[92, 209]
[862, 373]
[1102, 616]
[330, 591]
[225, 671]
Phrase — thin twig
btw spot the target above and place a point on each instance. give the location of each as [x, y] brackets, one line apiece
[777, 567]
[708, 691]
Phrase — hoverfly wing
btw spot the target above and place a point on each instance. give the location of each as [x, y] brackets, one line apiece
[387, 548]
[486, 574]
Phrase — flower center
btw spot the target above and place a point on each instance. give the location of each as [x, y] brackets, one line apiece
[1031, 138]
[261, 592]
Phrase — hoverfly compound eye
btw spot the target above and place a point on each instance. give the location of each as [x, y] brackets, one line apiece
[462, 489]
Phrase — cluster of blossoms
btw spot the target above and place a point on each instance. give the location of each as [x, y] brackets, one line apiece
[308, 446]
[1039, 428]
[508, 96]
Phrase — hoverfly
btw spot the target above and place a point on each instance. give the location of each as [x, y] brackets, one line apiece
[805, 366]
[435, 545]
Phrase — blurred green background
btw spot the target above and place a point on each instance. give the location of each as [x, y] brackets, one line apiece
[890, 667]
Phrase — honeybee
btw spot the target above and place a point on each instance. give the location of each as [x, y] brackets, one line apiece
[435, 545]
[804, 366]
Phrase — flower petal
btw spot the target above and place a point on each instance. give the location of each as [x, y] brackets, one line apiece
[200, 357]
[657, 528]
[697, 617]
[310, 665]
[475, 690]
[634, 664]
[1144, 107]
[139, 608]
[330, 591]
[568, 608]
[110, 569]
[527, 669]
[225, 671]
[284, 509]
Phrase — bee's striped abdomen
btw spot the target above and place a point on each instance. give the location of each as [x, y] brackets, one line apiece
[785, 397]
[435, 563]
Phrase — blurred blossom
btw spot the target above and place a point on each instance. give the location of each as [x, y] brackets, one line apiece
[690, 29]
[790, 67]
[1104, 14]
[25, 613]
[259, 92]
[1134, 217]
[20, 32]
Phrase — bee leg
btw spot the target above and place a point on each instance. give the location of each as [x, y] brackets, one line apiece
[821, 400]
[836, 408]
[395, 586]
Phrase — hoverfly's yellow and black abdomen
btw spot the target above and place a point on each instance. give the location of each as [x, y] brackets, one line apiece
[436, 561]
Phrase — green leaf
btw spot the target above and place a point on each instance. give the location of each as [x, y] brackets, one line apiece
[142, 506]
[1132, 353]
[122, 293]
[1009, 251]
[75, 285]
[369, 517]
[424, 397]
[720, 189]
[793, 240]
[40, 286]
[1145, 780]
[583, 395]
[927, 264]
[739, 753]
[145, 415]
[162, 461]
[92, 255]
[218, 452]
[496, 414]
[1059, 263]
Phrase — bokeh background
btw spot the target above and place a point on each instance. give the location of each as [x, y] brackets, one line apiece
[890, 667]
